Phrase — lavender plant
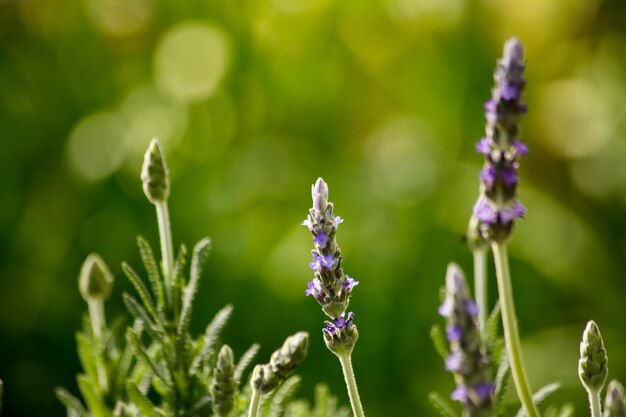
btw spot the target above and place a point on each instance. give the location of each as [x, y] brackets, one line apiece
[161, 369]
[615, 402]
[331, 287]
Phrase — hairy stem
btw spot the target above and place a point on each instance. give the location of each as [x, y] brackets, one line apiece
[255, 402]
[594, 403]
[96, 315]
[481, 287]
[167, 248]
[511, 333]
[353, 392]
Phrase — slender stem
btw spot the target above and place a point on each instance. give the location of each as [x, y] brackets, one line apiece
[511, 334]
[98, 320]
[481, 285]
[167, 248]
[353, 392]
[254, 403]
[594, 402]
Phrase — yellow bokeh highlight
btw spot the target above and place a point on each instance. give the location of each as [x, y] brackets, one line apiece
[191, 60]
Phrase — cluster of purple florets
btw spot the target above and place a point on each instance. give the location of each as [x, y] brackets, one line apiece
[497, 207]
[467, 359]
[330, 286]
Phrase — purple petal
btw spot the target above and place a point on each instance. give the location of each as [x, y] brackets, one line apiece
[461, 393]
[520, 147]
[328, 261]
[454, 362]
[454, 333]
[471, 308]
[510, 91]
[336, 222]
[484, 390]
[484, 212]
[446, 308]
[488, 175]
[483, 146]
[350, 283]
[321, 239]
[509, 176]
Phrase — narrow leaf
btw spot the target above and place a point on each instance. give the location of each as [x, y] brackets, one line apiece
[200, 254]
[178, 280]
[210, 337]
[492, 326]
[140, 313]
[87, 357]
[144, 295]
[283, 394]
[539, 396]
[152, 269]
[441, 405]
[245, 361]
[143, 404]
[439, 340]
[502, 380]
[71, 403]
[158, 371]
[200, 407]
[90, 394]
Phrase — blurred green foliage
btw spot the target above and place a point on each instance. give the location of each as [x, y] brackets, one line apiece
[253, 99]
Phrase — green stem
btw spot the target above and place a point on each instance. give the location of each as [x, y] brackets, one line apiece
[511, 334]
[594, 403]
[98, 320]
[481, 287]
[353, 392]
[167, 248]
[255, 401]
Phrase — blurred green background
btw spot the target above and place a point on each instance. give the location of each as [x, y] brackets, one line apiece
[253, 100]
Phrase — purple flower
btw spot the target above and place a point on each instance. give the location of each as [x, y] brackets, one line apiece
[342, 321]
[308, 222]
[454, 333]
[454, 362]
[461, 393]
[516, 212]
[447, 308]
[484, 390]
[520, 147]
[471, 308]
[321, 239]
[509, 176]
[510, 91]
[336, 222]
[483, 146]
[484, 212]
[488, 175]
[322, 261]
[349, 283]
[314, 288]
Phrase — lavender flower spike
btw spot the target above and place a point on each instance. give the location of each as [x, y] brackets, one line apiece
[330, 287]
[468, 360]
[497, 207]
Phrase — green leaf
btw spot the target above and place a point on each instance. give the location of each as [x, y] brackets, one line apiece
[133, 306]
[441, 405]
[72, 404]
[143, 404]
[94, 402]
[323, 401]
[152, 269]
[439, 340]
[283, 394]
[492, 327]
[539, 396]
[245, 361]
[200, 407]
[200, 254]
[178, 280]
[502, 380]
[210, 337]
[87, 358]
[144, 295]
[157, 370]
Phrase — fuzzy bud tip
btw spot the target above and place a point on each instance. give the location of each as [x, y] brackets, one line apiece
[154, 174]
[95, 281]
[319, 192]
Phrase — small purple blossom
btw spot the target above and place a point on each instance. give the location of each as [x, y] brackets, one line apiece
[516, 212]
[484, 212]
[471, 308]
[342, 321]
[510, 91]
[488, 175]
[314, 288]
[454, 362]
[321, 239]
[484, 390]
[520, 147]
[461, 394]
[349, 283]
[308, 222]
[509, 176]
[454, 333]
[336, 222]
[446, 309]
[483, 146]
[323, 261]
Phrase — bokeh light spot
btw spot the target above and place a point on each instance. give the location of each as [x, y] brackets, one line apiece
[190, 61]
[95, 147]
[120, 18]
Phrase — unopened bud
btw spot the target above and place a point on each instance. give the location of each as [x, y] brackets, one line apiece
[95, 281]
[319, 192]
[154, 174]
[592, 366]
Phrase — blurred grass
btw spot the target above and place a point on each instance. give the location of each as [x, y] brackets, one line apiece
[253, 100]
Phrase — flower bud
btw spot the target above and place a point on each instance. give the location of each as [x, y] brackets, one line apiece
[95, 281]
[319, 192]
[223, 385]
[615, 403]
[154, 174]
[592, 366]
[283, 363]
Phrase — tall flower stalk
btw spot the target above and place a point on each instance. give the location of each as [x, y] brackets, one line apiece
[497, 207]
[332, 288]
